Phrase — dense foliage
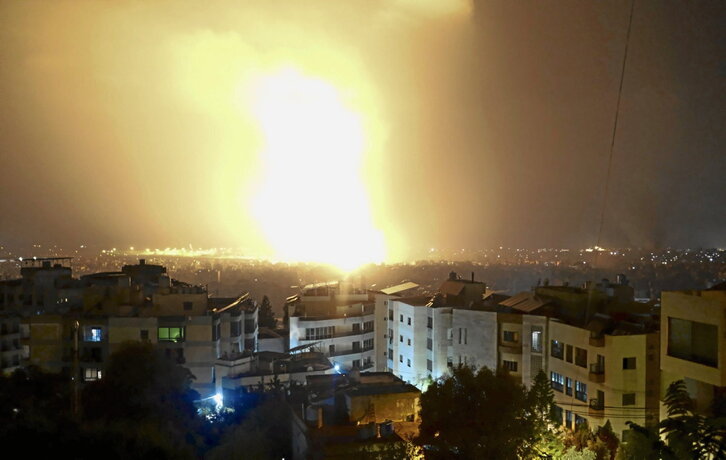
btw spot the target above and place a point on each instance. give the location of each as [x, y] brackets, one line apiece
[483, 414]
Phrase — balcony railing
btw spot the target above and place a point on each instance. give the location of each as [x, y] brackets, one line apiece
[597, 372]
[581, 395]
[557, 386]
[350, 351]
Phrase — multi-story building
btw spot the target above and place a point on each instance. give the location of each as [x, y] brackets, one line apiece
[605, 371]
[382, 298]
[338, 320]
[693, 346]
[140, 303]
[11, 351]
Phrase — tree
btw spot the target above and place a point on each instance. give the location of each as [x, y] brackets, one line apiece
[144, 404]
[266, 317]
[688, 435]
[481, 414]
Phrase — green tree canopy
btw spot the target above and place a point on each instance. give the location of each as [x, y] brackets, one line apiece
[482, 414]
[266, 317]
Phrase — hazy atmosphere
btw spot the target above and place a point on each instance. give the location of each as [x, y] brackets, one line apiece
[401, 124]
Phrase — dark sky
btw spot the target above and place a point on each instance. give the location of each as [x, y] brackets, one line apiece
[495, 119]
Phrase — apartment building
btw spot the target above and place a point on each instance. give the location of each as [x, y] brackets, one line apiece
[381, 299]
[11, 350]
[337, 319]
[693, 346]
[606, 371]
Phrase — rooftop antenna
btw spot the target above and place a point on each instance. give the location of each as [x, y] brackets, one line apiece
[615, 130]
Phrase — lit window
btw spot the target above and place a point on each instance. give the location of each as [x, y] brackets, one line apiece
[511, 366]
[93, 334]
[171, 334]
[91, 373]
[537, 339]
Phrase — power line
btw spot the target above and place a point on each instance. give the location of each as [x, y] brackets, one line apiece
[615, 125]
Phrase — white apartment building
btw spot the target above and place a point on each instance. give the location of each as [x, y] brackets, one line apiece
[336, 319]
[381, 299]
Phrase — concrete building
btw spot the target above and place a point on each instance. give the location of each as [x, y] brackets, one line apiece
[351, 415]
[338, 320]
[12, 352]
[381, 299]
[693, 346]
[606, 371]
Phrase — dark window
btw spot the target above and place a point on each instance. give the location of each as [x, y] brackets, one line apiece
[628, 399]
[356, 346]
[568, 386]
[356, 363]
[693, 341]
[510, 336]
[408, 342]
[356, 327]
[429, 322]
[368, 344]
[390, 353]
[568, 419]
[401, 319]
[557, 349]
[429, 365]
[581, 357]
[368, 326]
[408, 362]
[580, 391]
[400, 358]
[429, 344]
[568, 353]
[318, 333]
[511, 366]
[235, 328]
[628, 363]
[400, 338]
[144, 334]
[187, 306]
[390, 315]
[251, 325]
[331, 349]
[409, 320]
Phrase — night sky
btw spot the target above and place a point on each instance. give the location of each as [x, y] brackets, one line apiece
[488, 124]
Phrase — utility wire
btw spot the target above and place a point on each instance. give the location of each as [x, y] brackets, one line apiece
[615, 126]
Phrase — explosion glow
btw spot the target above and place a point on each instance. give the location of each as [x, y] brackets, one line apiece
[312, 203]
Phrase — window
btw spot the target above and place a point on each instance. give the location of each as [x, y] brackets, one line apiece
[171, 334]
[537, 340]
[408, 362]
[511, 366]
[356, 363]
[557, 380]
[568, 353]
[465, 335]
[356, 327]
[568, 386]
[400, 358]
[368, 344]
[93, 334]
[568, 419]
[628, 399]
[144, 334]
[368, 326]
[693, 341]
[510, 336]
[408, 342]
[250, 326]
[429, 322]
[400, 338]
[449, 361]
[390, 315]
[429, 365]
[628, 363]
[557, 349]
[401, 319]
[331, 350]
[580, 391]
[92, 373]
[581, 357]
[409, 320]
[535, 364]
[390, 353]
[235, 328]
[187, 306]
[318, 333]
[580, 420]
[356, 346]
[429, 344]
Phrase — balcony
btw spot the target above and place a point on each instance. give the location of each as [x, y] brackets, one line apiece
[557, 386]
[597, 373]
[349, 352]
[596, 408]
[597, 340]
